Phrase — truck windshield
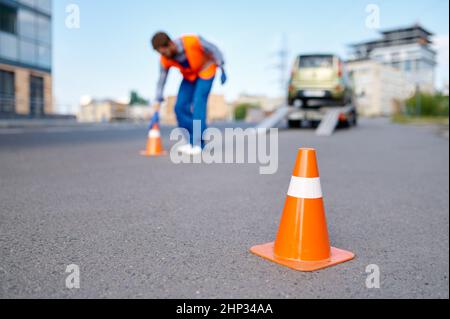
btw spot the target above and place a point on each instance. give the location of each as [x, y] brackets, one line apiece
[316, 61]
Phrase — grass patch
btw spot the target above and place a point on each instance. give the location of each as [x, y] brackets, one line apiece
[420, 120]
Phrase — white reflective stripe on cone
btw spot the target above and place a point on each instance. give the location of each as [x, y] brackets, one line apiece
[307, 188]
[154, 134]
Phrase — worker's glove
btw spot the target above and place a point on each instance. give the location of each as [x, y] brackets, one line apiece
[154, 120]
[223, 78]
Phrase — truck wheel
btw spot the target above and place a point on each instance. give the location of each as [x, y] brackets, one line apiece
[291, 102]
[315, 124]
[294, 123]
[344, 124]
[354, 118]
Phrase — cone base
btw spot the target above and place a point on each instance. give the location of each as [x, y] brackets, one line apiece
[338, 256]
[144, 153]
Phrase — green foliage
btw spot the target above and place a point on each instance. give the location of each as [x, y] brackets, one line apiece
[241, 110]
[420, 120]
[136, 99]
[426, 104]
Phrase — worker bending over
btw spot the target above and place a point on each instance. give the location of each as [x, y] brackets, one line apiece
[197, 60]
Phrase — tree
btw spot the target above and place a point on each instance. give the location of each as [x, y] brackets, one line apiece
[430, 105]
[136, 99]
[241, 110]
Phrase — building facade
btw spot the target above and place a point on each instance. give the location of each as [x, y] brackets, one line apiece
[25, 58]
[103, 111]
[218, 110]
[379, 89]
[408, 50]
[268, 105]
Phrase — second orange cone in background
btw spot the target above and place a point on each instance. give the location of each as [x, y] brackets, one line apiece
[154, 143]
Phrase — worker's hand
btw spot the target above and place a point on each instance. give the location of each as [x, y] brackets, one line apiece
[155, 117]
[223, 78]
[153, 121]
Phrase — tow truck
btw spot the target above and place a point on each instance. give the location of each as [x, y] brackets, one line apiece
[320, 95]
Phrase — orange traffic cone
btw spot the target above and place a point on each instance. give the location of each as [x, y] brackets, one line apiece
[154, 144]
[302, 242]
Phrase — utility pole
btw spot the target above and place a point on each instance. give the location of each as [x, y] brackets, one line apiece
[282, 64]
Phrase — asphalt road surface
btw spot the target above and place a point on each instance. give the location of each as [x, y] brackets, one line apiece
[146, 228]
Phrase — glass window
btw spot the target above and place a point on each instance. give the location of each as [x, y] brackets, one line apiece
[27, 24]
[28, 2]
[43, 29]
[378, 57]
[44, 58]
[8, 46]
[396, 65]
[26, 35]
[395, 56]
[36, 96]
[7, 92]
[418, 65]
[44, 5]
[41, 5]
[408, 65]
[7, 83]
[426, 65]
[319, 61]
[27, 52]
[8, 19]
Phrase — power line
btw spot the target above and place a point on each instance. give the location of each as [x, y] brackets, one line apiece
[282, 64]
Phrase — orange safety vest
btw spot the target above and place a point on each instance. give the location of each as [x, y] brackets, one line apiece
[201, 64]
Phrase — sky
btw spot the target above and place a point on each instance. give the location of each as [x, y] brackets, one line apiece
[110, 54]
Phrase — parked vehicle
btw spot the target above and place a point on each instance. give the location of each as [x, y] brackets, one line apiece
[319, 82]
[319, 78]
